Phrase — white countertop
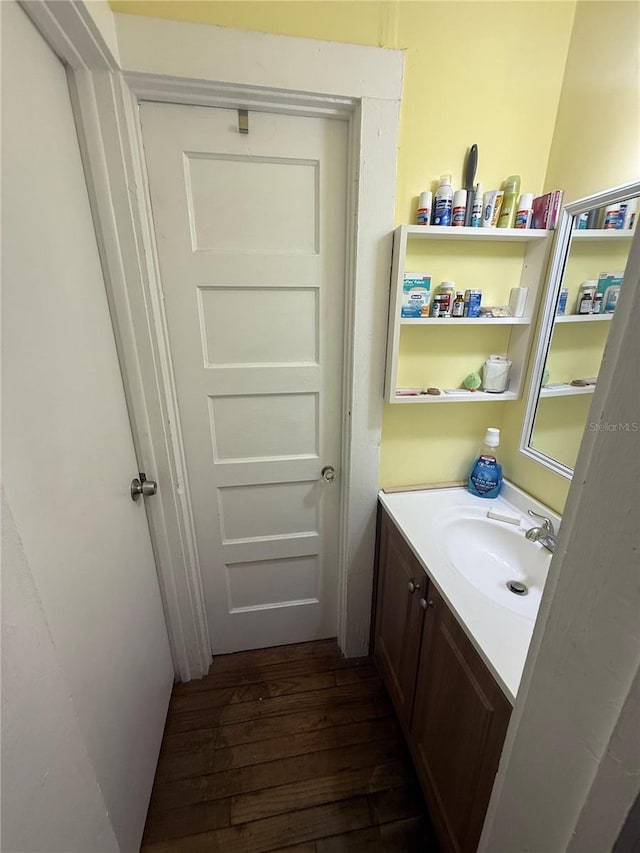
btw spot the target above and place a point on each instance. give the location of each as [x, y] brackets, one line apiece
[501, 635]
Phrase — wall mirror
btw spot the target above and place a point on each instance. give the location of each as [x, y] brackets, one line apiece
[585, 279]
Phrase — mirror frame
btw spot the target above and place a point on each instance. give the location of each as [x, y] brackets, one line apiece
[546, 313]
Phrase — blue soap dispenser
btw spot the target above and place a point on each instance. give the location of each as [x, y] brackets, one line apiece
[485, 476]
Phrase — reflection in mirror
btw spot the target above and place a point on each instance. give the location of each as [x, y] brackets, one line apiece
[586, 280]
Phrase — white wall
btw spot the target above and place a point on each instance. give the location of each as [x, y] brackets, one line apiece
[105, 21]
[572, 757]
[67, 462]
[46, 771]
[617, 780]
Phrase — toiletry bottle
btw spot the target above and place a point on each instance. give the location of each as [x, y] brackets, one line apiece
[458, 305]
[611, 214]
[586, 292]
[593, 218]
[496, 210]
[485, 476]
[610, 299]
[491, 211]
[524, 211]
[459, 208]
[443, 202]
[489, 203]
[562, 301]
[511, 189]
[630, 216]
[476, 207]
[447, 292]
[423, 216]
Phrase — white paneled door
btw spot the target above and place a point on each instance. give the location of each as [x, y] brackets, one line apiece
[250, 231]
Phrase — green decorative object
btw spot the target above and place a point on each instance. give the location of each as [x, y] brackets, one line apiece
[545, 377]
[472, 381]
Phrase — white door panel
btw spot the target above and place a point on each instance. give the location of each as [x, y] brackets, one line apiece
[68, 455]
[250, 232]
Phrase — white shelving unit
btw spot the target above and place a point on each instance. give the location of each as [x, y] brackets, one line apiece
[464, 321]
[567, 390]
[473, 397]
[483, 235]
[582, 318]
[537, 244]
[609, 235]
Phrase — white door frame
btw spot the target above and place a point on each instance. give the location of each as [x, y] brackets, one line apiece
[358, 84]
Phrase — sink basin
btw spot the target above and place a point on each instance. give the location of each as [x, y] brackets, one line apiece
[489, 554]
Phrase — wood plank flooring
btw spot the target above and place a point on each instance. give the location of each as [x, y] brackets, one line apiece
[287, 749]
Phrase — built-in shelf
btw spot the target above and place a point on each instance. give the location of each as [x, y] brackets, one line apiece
[465, 243]
[465, 321]
[602, 234]
[474, 397]
[581, 318]
[567, 390]
[449, 232]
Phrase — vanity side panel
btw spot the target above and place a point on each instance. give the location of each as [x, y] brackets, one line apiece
[459, 724]
[398, 618]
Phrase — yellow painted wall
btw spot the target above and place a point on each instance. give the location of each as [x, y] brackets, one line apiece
[464, 82]
[502, 85]
[104, 19]
[347, 21]
[596, 144]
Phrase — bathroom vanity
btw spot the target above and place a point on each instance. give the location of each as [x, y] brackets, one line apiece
[451, 639]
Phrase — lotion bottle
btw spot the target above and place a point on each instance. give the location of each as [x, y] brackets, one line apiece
[508, 211]
[443, 202]
[485, 476]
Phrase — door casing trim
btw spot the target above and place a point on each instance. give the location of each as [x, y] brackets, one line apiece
[105, 102]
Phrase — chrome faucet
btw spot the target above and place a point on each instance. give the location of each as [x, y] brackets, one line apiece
[544, 534]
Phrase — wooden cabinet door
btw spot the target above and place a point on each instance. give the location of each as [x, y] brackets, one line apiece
[459, 723]
[399, 617]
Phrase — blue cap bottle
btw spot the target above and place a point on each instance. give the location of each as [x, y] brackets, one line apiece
[485, 476]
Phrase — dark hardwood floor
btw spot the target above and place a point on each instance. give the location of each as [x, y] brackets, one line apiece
[292, 748]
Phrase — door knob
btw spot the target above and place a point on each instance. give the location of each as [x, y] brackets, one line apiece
[424, 603]
[413, 586]
[328, 473]
[143, 487]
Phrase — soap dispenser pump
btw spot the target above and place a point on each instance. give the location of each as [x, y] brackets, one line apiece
[485, 476]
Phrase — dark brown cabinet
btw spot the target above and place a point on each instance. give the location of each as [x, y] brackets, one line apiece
[399, 618]
[454, 713]
[460, 717]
